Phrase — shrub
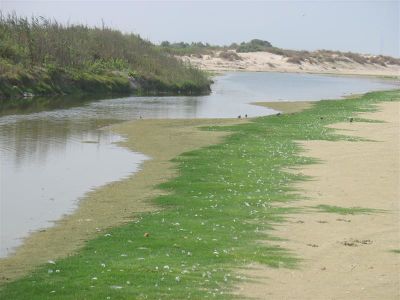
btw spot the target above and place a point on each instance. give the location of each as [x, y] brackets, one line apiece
[229, 55]
[254, 46]
[295, 60]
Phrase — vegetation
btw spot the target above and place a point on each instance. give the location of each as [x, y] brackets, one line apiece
[320, 56]
[327, 56]
[229, 55]
[346, 210]
[41, 56]
[216, 212]
[293, 56]
[254, 46]
[197, 49]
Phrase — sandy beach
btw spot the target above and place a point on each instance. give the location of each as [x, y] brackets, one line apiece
[269, 62]
[349, 256]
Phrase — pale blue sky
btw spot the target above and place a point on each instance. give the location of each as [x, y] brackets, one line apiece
[359, 26]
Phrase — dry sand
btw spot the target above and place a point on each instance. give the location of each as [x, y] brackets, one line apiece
[116, 202]
[268, 62]
[362, 174]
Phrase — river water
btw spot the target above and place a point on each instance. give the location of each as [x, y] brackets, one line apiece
[49, 158]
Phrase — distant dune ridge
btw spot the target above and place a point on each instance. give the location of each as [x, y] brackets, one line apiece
[266, 61]
[258, 55]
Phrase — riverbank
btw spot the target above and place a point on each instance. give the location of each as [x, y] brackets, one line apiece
[20, 86]
[348, 230]
[35, 61]
[270, 62]
[215, 212]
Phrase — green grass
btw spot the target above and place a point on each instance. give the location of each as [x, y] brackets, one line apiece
[345, 210]
[219, 208]
[397, 251]
[45, 57]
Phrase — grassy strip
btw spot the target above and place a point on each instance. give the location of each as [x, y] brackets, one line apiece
[346, 210]
[72, 81]
[42, 81]
[217, 210]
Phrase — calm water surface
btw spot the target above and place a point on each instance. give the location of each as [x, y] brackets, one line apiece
[50, 159]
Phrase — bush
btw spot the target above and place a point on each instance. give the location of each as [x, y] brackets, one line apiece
[295, 60]
[229, 55]
[254, 46]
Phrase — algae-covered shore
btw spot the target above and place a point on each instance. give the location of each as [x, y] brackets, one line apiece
[349, 228]
[117, 202]
[208, 208]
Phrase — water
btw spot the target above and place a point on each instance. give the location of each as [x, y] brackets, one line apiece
[51, 158]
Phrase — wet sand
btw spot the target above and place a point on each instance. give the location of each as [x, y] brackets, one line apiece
[343, 256]
[116, 202]
[287, 107]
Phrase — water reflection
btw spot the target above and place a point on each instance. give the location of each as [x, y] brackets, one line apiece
[47, 163]
[37, 104]
[32, 140]
[44, 186]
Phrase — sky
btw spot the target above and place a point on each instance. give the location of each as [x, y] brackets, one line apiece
[359, 26]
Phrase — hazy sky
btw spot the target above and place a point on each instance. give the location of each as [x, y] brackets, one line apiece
[360, 26]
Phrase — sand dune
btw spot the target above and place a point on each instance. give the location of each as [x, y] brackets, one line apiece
[265, 61]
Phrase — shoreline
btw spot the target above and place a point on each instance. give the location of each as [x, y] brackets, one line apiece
[14, 103]
[95, 213]
[393, 77]
[81, 224]
[185, 133]
[49, 244]
[329, 231]
[36, 238]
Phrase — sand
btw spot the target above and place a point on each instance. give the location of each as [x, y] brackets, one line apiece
[116, 202]
[287, 107]
[352, 174]
[268, 62]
